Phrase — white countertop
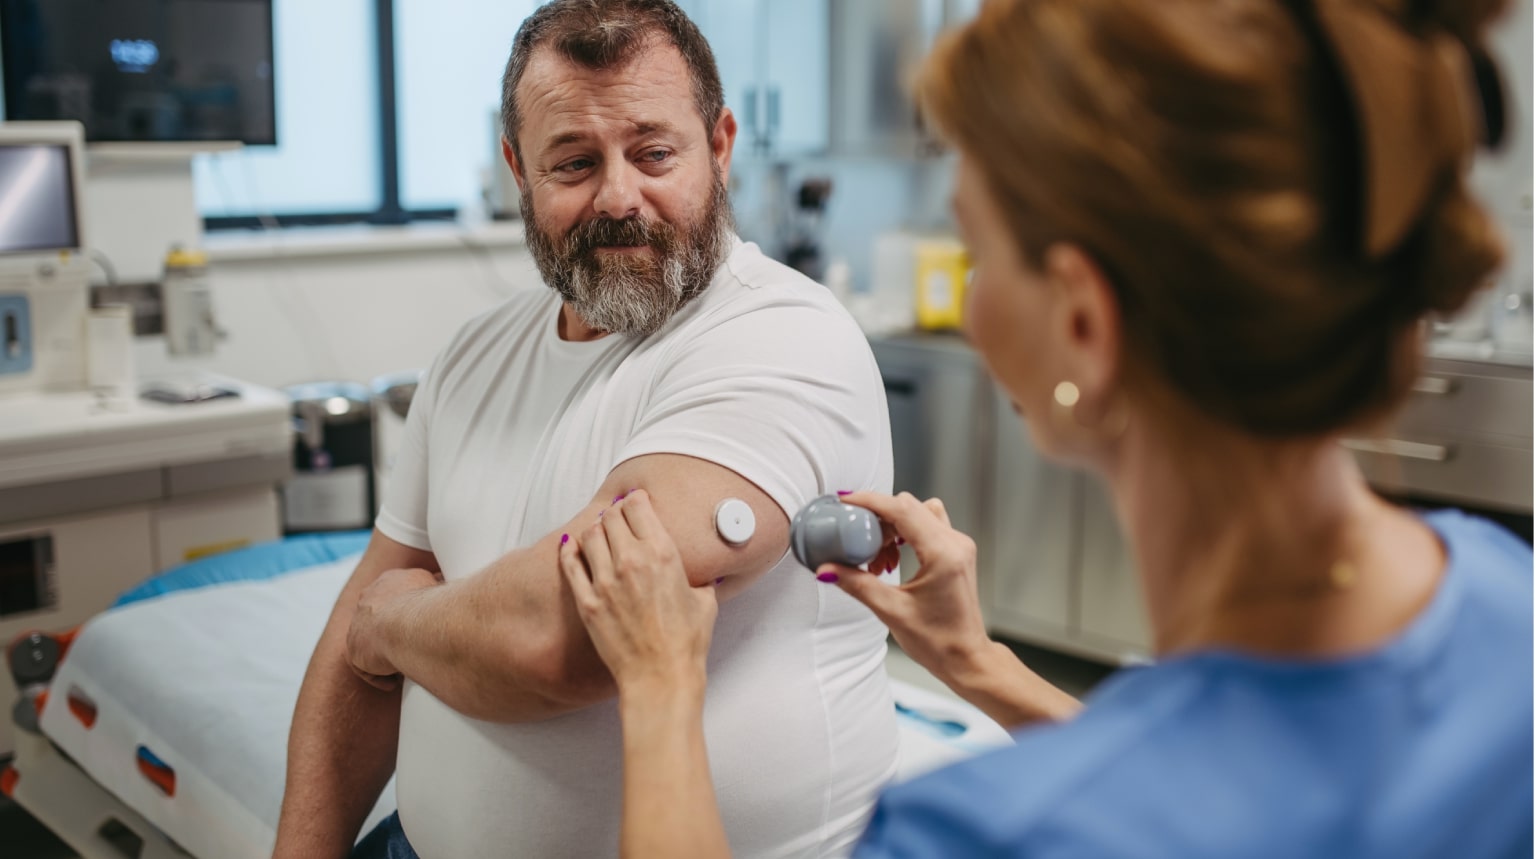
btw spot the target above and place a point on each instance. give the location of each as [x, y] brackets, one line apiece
[46, 437]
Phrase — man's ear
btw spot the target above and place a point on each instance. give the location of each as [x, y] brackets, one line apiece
[510, 156]
[722, 141]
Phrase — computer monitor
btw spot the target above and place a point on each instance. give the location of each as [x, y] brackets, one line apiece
[40, 187]
[180, 71]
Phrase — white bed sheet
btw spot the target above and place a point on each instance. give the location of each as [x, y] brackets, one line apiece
[206, 679]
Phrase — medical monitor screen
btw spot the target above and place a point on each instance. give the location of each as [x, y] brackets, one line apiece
[37, 200]
[142, 70]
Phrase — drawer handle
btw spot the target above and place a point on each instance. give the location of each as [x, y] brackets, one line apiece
[1435, 386]
[1400, 448]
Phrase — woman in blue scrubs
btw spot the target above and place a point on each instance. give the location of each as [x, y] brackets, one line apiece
[1207, 236]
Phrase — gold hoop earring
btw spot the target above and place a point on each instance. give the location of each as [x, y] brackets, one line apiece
[1108, 428]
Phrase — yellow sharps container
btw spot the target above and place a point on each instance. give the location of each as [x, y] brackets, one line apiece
[943, 272]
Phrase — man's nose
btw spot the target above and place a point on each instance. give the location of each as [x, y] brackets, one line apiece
[619, 195]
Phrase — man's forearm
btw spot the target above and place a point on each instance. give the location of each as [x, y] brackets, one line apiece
[341, 752]
[490, 646]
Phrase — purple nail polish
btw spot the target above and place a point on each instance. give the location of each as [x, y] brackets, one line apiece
[565, 538]
[900, 541]
[842, 492]
[719, 580]
[827, 578]
[620, 497]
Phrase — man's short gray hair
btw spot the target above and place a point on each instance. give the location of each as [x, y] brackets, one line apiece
[604, 34]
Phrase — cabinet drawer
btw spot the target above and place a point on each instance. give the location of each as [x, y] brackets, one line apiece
[1462, 404]
[1485, 475]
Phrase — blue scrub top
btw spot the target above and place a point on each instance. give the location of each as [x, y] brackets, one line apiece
[1419, 749]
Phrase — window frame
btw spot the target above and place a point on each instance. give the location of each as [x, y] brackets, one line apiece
[389, 212]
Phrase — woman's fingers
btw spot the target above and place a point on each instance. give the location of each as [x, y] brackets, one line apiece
[576, 572]
[889, 558]
[914, 520]
[596, 552]
[640, 516]
[936, 507]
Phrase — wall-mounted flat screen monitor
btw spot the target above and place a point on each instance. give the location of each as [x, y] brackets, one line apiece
[142, 70]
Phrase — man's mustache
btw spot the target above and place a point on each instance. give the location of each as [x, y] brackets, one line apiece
[614, 232]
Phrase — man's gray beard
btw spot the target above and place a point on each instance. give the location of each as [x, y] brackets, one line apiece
[633, 294]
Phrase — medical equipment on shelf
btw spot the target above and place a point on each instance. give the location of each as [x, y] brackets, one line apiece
[190, 327]
[829, 531]
[735, 522]
[32, 660]
[44, 275]
[392, 395]
[109, 354]
[332, 487]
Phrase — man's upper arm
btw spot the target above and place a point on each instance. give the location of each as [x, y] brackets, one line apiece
[685, 493]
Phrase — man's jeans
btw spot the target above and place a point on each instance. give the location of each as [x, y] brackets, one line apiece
[386, 841]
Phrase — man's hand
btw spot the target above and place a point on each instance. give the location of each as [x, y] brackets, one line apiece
[365, 643]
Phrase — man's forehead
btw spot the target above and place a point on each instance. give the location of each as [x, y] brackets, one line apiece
[656, 70]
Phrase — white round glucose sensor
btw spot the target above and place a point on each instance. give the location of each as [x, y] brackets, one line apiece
[734, 521]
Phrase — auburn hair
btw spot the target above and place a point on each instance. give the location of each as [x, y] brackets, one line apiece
[1200, 151]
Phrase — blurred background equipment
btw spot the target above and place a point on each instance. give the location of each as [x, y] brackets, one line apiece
[803, 242]
[392, 396]
[332, 488]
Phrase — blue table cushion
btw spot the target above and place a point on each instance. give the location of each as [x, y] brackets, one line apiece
[263, 561]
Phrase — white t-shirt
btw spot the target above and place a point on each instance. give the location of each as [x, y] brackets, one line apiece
[513, 430]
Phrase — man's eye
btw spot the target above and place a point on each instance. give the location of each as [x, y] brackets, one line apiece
[576, 166]
[655, 156]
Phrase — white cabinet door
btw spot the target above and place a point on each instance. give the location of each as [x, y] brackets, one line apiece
[772, 56]
[797, 84]
[732, 28]
[1026, 569]
[1111, 615]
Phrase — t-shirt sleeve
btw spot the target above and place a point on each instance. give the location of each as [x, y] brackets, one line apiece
[787, 396]
[403, 516]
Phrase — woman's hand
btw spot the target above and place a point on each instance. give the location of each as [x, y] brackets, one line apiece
[935, 617]
[650, 626]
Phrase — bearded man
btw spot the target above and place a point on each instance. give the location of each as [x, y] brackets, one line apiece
[667, 356]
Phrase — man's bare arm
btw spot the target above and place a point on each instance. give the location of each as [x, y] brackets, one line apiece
[341, 748]
[506, 644]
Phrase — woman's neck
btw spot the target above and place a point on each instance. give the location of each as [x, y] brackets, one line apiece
[1273, 548]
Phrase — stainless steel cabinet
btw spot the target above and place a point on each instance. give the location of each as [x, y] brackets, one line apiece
[940, 404]
[1112, 619]
[1032, 545]
[1052, 567]
[1463, 437]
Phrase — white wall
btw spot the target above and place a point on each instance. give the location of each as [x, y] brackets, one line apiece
[352, 316]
